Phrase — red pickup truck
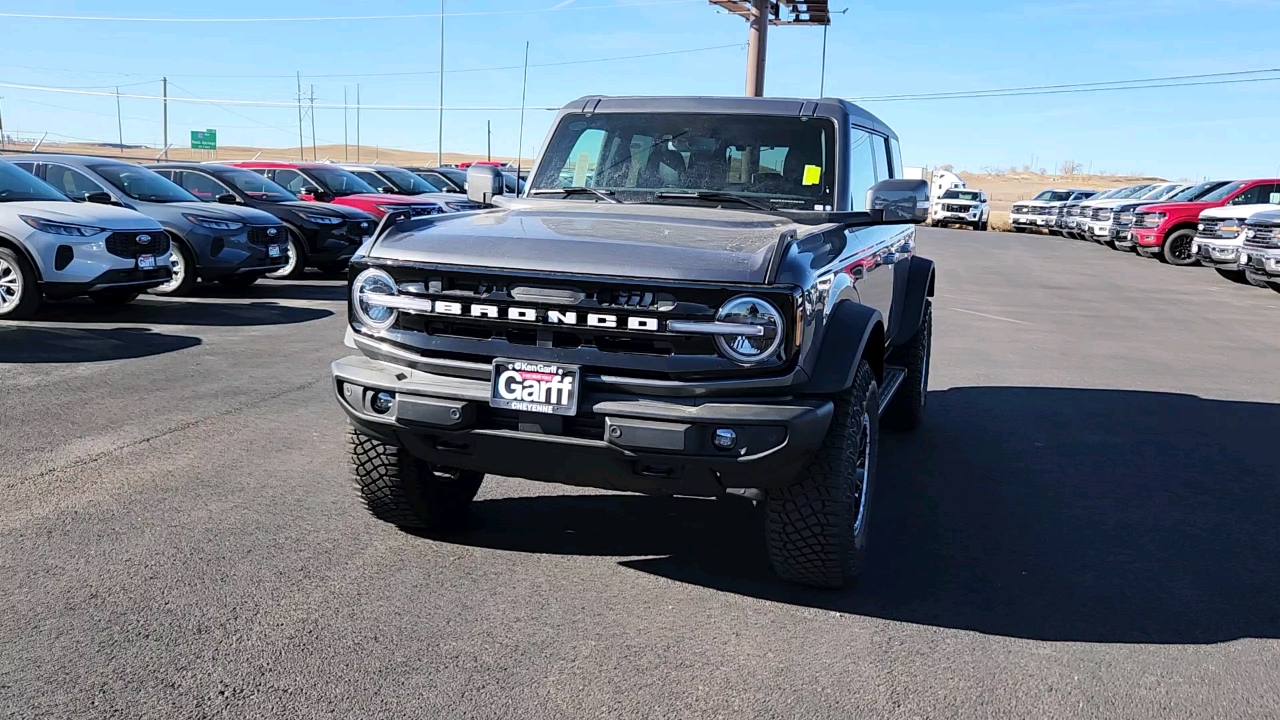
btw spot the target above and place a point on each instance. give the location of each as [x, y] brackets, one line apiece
[1165, 230]
[322, 182]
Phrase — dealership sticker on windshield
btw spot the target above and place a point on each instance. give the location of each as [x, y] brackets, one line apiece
[537, 387]
[812, 175]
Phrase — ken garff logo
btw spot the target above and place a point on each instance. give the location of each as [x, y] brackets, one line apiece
[144, 239]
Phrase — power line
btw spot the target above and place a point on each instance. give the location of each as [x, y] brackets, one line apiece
[395, 74]
[561, 7]
[994, 94]
[974, 93]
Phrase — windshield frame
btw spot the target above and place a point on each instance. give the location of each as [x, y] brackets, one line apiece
[711, 144]
[108, 172]
[11, 170]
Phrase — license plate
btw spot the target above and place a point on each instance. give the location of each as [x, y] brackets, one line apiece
[273, 251]
[146, 262]
[536, 387]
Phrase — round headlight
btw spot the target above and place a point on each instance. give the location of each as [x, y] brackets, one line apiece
[752, 348]
[364, 291]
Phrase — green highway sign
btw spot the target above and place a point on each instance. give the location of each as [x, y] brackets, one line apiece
[206, 140]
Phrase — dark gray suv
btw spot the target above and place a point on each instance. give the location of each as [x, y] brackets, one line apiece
[232, 245]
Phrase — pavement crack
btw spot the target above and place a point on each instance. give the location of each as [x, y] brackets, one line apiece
[180, 427]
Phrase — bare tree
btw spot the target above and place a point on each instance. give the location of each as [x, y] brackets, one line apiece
[1070, 167]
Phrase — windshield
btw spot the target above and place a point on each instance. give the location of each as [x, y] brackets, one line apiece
[969, 195]
[786, 160]
[1196, 192]
[406, 181]
[1224, 192]
[1158, 192]
[141, 184]
[1053, 196]
[338, 182]
[1129, 192]
[255, 186]
[18, 185]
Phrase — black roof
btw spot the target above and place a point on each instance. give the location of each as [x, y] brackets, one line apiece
[834, 108]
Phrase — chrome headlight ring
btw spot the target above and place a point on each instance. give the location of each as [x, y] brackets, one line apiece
[756, 348]
[365, 291]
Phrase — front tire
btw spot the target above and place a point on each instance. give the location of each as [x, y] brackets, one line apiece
[1177, 248]
[406, 491]
[906, 409]
[19, 288]
[184, 277]
[816, 527]
[297, 266]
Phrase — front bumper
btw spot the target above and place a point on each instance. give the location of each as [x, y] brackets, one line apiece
[647, 444]
[1097, 230]
[1029, 220]
[132, 280]
[1262, 264]
[1216, 253]
[1122, 237]
[222, 254]
[954, 217]
[330, 247]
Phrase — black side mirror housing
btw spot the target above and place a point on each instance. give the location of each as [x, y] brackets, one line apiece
[484, 183]
[99, 198]
[387, 190]
[228, 199]
[900, 202]
[315, 193]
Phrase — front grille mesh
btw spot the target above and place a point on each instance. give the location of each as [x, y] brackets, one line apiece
[260, 236]
[126, 244]
[1263, 238]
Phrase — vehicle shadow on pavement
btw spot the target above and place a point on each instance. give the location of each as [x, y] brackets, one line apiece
[1041, 513]
[155, 311]
[310, 288]
[73, 345]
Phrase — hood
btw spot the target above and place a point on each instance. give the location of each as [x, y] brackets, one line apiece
[1193, 208]
[1269, 217]
[1107, 203]
[1035, 203]
[664, 242]
[319, 208]
[385, 199]
[218, 211]
[104, 216]
[1237, 211]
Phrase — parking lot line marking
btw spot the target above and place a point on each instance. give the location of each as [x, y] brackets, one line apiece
[993, 317]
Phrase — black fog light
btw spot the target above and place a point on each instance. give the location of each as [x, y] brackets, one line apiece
[725, 439]
[382, 402]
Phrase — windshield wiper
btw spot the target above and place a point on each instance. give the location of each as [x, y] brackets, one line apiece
[715, 196]
[606, 195]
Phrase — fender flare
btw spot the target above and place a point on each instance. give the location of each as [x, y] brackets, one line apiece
[918, 288]
[852, 331]
[21, 249]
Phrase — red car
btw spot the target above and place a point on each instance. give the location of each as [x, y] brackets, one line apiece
[322, 182]
[1166, 230]
[490, 163]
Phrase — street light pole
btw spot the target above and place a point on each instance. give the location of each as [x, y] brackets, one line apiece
[164, 85]
[440, 120]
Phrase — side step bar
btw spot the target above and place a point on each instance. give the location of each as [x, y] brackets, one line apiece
[893, 377]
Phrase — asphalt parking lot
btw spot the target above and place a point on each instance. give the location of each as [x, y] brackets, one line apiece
[1087, 525]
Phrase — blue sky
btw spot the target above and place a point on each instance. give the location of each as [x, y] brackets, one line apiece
[920, 47]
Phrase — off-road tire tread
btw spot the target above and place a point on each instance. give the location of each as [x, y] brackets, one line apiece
[809, 523]
[906, 409]
[390, 479]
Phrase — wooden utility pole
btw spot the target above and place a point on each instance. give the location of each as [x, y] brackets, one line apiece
[760, 14]
[757, 41]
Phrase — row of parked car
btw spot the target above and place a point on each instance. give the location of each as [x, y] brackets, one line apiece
[1231, 226]
[89, 226]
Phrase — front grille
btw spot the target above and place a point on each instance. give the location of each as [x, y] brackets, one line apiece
[1263, 237]
[1074, 211]
[353, 230]
[127, 244]
[262, 236]
[956, 208]
[1209, 228]
[658, 354]
[425, 210]
[1100, 214]
[1122, 218]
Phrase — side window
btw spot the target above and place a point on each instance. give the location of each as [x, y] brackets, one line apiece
[200, 185]
[28, 166]
[879, 150]
[1272, 196]
[862, 168]
[1252, 196]
[72, 183]
[167, 175]
[895, 157]
[292, 180]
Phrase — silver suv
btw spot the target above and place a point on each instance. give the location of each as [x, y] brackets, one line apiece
[55, 248]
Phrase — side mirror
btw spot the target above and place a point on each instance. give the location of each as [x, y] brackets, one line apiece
[901, 202]
[484, 183]
[99, 198]
[315, 193]
[227, 199]
[387, 190]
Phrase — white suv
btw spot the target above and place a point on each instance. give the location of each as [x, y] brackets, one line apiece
[1220, 232]
[961, 206]
[53, 247]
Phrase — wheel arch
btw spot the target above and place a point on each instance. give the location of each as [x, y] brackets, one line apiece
[918, 282]
[7, 241]
[852, 331]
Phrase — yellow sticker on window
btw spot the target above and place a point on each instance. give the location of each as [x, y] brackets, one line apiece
[812, 174]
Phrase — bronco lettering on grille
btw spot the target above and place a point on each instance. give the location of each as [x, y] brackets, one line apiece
[528, 314]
